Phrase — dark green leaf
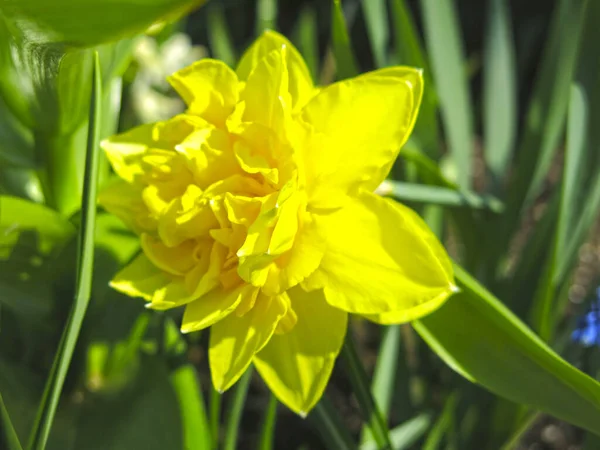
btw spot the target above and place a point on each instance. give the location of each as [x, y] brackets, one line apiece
[482, 340]
[444, 42]
[55, 381]
[88, 22]
[499, 91]
[346, 66]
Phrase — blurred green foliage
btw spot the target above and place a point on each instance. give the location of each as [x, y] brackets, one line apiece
[504, 164]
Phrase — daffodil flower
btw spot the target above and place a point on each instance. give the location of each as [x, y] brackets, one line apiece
[256, 212]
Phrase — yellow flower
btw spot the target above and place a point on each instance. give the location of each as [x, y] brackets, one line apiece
[256, 212]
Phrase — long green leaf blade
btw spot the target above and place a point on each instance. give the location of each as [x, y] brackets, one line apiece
[544, 123]
[406, 434]
[384, 376]
[83, 285]
[267, 433]
[444, 42]
[346, 66]
[360, 385]
[325, 418]
[409, 51]
[499, 91]
[8, 435]
[375, 12]
[422, 193]
[84, 23]
[234, 416]
[482, 340]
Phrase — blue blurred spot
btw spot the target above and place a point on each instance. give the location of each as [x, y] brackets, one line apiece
[587, 332]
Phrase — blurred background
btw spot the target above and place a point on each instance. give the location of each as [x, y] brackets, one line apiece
[509, 202]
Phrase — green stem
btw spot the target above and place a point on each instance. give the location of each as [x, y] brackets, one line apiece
[268, 428]
[237, 407]
[215, 416]
[362, 390]
[83, 285]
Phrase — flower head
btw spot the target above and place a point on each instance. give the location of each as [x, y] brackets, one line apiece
[256, 212]
[587, 332]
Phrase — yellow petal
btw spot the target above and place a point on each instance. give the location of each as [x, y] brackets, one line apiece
[409, 315]
[127, 152]
[235, 340]
[209, 88]
[213, 306]
[266, 97]
[381, 258]
[140, 278]
[297, 365]
[359, 126]
[124, 200]
[200, 280]
[300, 83]
[301, 261]
[175, 260]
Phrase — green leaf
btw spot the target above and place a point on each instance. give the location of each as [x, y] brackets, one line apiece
[64, 354]
[405, 435]
[483, 341]
[384, 376]
[215, 399]
[499, 92]
[422, 193]
[360, 385]
[19, 216]
[376, 18]
[345, 63]
[268, 426]
[196, 432]
[442, 425]
[307, 40]
[266, 15]
[237, 408]
[84, 23]
[148, 403]
[580, 168]
[410, 52]
[444, 43]
[325, 418]
[544, 123]
[219, 36]
[8, 436]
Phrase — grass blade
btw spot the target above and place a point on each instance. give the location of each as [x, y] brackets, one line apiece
[325, 418]
[384, 377]
[499, 92]
[444, 422]
[196, 435]
[307, 40]
[444, 42]
[409, 51]
[346, 66]
[544, 123]
[580, 166]
[405, 435]
[219, 36]
[375, 13]
[266, 15]
[422, 193]
[268, 427]
[237, 408]
[8, 435]
[64, 354]
[215, 416]
[476, 335]
[360, 386]
[385, 374]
